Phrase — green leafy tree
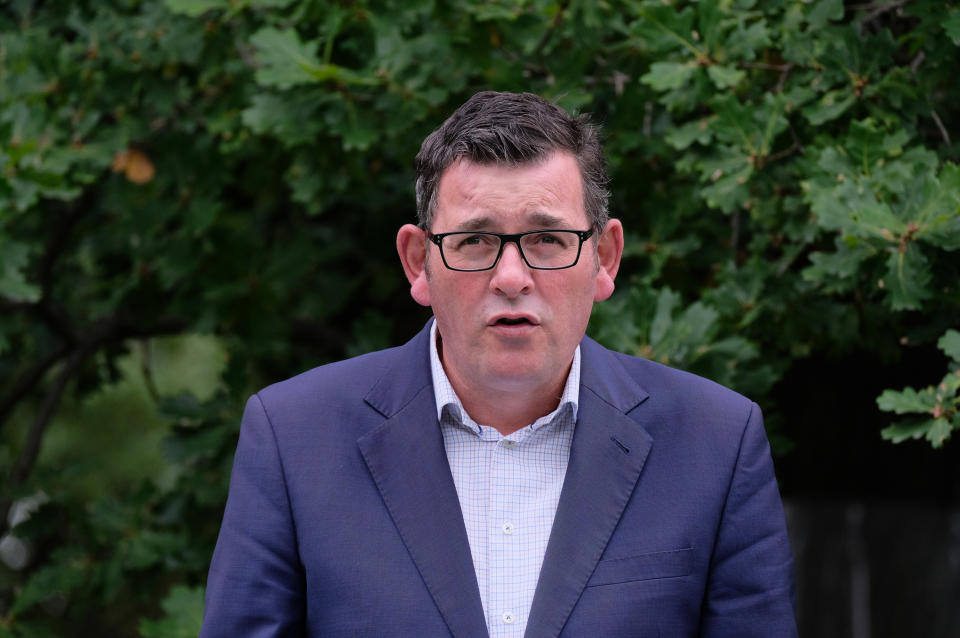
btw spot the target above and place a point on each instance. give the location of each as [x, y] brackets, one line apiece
[939, 405]
[238, 168]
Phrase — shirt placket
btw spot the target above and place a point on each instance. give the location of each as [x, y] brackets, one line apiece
[506, 615]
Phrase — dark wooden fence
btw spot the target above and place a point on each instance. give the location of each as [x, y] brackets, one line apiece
[876, 570]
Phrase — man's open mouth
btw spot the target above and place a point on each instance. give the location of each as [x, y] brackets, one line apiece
[513, 321]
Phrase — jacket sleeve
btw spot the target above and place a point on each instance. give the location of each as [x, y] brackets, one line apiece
[255, 588]
[750, 588]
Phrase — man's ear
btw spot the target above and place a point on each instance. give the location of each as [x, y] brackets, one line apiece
[412, 247]
[609, 251]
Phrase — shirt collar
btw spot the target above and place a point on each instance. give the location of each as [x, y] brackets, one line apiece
[446, 397]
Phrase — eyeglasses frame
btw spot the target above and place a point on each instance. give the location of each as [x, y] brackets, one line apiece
[505, 238]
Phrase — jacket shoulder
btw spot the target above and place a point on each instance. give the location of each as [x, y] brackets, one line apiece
[655, 375]
[353, 377]
[676, 393]
[381, 382]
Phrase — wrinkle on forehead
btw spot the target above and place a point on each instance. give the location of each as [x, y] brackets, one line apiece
[496, 193]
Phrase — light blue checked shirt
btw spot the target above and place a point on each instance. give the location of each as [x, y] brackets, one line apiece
[509, 487]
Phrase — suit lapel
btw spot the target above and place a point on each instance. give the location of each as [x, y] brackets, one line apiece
[407, 460]
[606, 458]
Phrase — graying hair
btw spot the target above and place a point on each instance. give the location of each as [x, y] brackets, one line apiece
[512, 129]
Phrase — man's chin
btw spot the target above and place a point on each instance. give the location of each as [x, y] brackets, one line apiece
[516, 374]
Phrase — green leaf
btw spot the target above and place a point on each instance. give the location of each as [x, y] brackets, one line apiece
[286, 61]
[752, 127]
[663, 316]
[939, 432]
[195, 8]
[613, 322]
[950, 344]
[693, 330]
[831, 106]
[292, 119]
[681, 137]
[745, 43]
[875, 219]
[797, 96]
[661, 28]
[14, 258]
[939, 209]
[677, 339]
[824, 11]
[907, 401]
[356, 132]
[728, 173]
[869, 146]
[39, 628]
[837, 271]
[725, 77]
[936, 431]
[711, 24]
[669, 75]
[951, 24]
[67, 573]
[907, 279]
[183, 617]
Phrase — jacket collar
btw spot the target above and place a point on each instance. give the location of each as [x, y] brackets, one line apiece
[408, 463]
[606, 458]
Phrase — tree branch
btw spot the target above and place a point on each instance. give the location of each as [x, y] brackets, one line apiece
[779, 155]
[784, 72]
[557, 19]
[31, 449]
[55, 317]
[27, 381]
[783, 69]
[876, 9]
[943, 129]
[914, 66]
[146, 369]
[125, 328]
[98, 334]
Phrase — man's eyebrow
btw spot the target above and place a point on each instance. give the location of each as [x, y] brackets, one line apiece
[536, 219]
[477, 223]
[546, 220]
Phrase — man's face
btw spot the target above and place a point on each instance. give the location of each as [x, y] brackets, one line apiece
[512, 328]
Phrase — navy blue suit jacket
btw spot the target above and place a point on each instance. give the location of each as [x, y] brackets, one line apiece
[343, 519]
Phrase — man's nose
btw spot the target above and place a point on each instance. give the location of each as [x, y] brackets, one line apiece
[511, 275]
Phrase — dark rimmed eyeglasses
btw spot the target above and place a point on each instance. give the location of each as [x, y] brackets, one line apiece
[540, 249]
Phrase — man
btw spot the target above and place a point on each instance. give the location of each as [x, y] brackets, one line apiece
[501, 474]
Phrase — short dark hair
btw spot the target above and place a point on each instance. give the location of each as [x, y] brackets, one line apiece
[512, 129]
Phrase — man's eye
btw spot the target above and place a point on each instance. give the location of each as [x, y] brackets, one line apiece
[475, 240]
[549, 239]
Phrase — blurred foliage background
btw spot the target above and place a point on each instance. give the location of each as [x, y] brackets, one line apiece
[200, 197]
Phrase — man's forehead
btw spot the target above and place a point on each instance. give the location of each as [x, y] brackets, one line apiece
[544, 191]
[538, 160]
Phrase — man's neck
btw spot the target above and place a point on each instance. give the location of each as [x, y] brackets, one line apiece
[505, 410]
[508, 412]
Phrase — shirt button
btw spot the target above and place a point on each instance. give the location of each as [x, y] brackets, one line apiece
[509, 443]
[508, 617]
[509, 528]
